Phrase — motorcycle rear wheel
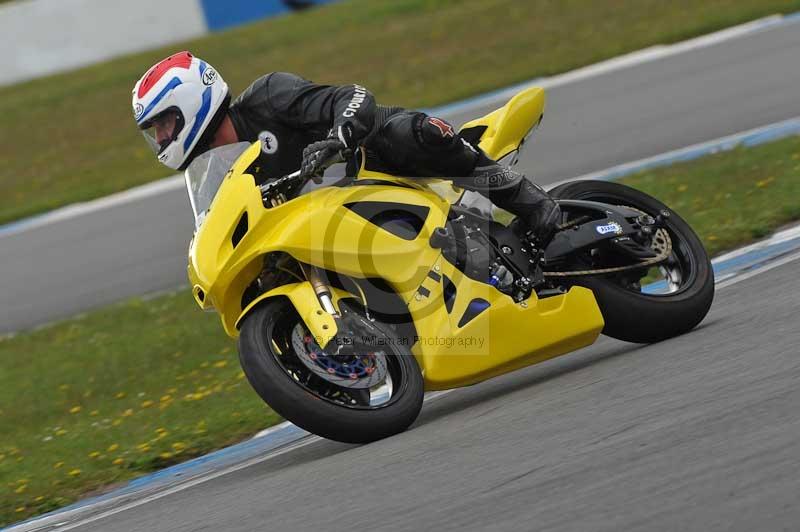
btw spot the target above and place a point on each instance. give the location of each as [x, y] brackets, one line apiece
[634, 315]
[282, 380]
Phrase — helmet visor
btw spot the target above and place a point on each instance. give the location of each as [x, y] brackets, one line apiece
[161, 130]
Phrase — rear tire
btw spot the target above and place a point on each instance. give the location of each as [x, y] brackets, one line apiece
[259, 358]
[638, 317]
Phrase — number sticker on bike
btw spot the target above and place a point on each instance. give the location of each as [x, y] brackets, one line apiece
[613, 227]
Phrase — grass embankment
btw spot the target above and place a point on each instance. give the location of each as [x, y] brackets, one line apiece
[134, 387]
[71, 137]
[122, 391]
[731, 198]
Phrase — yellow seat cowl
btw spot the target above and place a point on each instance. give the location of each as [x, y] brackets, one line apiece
[507, 127]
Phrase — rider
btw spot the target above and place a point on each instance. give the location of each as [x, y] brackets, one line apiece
[184, 108]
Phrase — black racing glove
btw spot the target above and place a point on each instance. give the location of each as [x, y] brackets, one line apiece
[318, 156]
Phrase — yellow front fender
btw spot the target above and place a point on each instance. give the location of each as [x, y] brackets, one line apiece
[321, 324]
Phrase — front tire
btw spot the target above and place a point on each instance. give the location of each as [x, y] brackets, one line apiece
[318, 406]
[636, 316]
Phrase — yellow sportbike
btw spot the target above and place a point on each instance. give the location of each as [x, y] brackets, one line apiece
[349, 301]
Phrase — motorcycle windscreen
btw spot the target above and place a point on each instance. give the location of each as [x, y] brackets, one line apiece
[205, 174]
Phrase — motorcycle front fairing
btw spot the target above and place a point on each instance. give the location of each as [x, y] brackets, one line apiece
[318, 228]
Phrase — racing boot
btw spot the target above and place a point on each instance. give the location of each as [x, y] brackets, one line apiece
[512, 191]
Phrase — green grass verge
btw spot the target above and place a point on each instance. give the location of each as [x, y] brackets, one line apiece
[132, 388]
[731, 198]
[71, 137]
[120, 392]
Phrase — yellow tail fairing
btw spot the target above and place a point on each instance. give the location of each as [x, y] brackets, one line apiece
[507, 127]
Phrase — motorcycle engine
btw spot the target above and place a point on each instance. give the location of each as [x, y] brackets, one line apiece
[470, 248]
[479, 256]
[488, 252]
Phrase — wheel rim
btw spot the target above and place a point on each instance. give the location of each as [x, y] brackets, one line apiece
[678, 272]
[382, 393]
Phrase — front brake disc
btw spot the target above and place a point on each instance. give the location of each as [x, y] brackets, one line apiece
[344, 362]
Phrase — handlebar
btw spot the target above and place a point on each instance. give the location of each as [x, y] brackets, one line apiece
[286, 183]
[279, 190]
[282, 184]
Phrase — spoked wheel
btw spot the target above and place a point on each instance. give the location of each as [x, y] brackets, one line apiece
[362, 387]
[656, 302]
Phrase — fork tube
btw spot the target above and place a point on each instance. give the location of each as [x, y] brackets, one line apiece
[321, 289]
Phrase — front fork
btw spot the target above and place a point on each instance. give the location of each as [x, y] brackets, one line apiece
[321, 288]
[313, 274]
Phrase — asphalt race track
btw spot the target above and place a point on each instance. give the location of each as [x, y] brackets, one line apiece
[58, 270]
[701, 432]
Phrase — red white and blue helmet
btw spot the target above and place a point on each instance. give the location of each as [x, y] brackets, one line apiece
[179, 104]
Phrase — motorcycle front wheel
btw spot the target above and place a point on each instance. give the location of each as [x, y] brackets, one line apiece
[363, 387]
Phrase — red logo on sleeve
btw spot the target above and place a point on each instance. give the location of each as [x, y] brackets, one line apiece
[444, 127]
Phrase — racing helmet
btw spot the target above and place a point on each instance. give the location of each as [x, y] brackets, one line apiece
[178, 105]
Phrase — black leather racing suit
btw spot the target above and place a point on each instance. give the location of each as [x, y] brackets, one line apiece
[409, 143]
